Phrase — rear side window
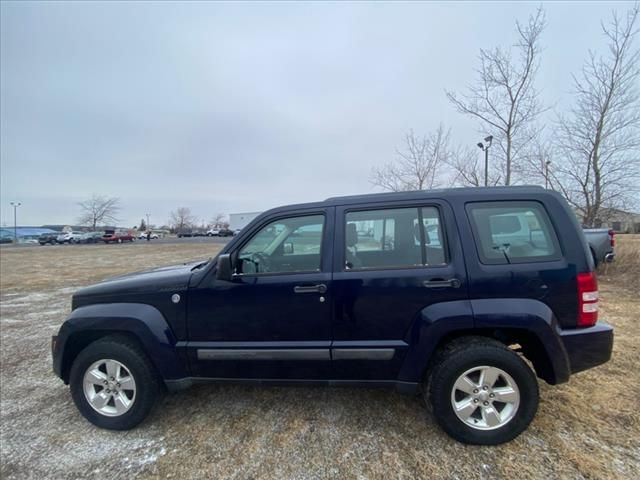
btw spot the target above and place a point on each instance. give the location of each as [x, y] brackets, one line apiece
[513, 232]
[391, 238]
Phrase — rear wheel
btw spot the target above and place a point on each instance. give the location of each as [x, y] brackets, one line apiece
[113, 383]
[481, 392]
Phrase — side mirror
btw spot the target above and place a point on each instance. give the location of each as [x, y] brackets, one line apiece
[288, 248]
[224, 269]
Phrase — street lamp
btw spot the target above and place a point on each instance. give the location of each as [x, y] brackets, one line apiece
[148, 215]
[485, 148]
[546, 173]
[15, 206]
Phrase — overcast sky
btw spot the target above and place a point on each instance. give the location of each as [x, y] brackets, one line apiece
[231, 107]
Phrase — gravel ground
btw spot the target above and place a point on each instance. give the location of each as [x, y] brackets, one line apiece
[587, 428]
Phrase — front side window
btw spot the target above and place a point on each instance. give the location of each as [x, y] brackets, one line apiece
[513, 232]
[285, 245]
[392, 238]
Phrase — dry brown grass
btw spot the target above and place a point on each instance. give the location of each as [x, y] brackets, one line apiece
[626, 268]
[587, 428]
[32, 268]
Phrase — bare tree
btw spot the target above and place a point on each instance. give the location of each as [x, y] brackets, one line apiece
[540, 164]
[418, 165]
[468, 168]
[182, 218]
[99, 210]
[504, 98]
[599, 138]
[218, 220]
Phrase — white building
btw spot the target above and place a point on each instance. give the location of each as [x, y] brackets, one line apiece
[237, 221]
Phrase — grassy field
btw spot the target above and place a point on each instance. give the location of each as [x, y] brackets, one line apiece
[587, 428]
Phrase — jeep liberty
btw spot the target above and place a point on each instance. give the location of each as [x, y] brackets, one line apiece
[463, 296]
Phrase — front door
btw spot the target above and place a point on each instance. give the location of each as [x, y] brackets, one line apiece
[391, 261]
[273, 319]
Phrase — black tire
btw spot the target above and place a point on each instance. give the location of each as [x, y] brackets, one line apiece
[464, 354]
[127, 352]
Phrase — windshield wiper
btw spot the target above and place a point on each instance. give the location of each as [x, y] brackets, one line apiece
[503, 248]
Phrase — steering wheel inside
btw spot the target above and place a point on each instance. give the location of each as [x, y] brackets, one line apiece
[261, 261]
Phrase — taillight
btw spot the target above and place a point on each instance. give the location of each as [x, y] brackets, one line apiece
[587, 299]
[612, 237]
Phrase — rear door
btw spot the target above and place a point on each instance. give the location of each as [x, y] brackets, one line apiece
[507, 264]
[386, 270]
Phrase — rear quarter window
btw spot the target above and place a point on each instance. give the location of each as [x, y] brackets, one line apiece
[513, 232]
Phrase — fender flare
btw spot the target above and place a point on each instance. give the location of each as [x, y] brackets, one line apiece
[432, 324]
[533, 317]
[145, 322]
[468, 317]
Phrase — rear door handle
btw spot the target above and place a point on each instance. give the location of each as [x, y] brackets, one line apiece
[441, 283]
[320, 288]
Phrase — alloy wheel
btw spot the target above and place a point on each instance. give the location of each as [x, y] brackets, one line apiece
[485, 398]
[109, 387]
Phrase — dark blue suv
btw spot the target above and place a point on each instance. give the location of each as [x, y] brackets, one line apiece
[442, 292]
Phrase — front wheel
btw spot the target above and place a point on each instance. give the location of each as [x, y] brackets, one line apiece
[113, 383]
[481, 392]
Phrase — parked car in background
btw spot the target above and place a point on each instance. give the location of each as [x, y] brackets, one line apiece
[117, 237]
[69, 237]
[220, 232]
[50, 237]
[602, 242]
[461, 295]
[151, 235]
[236, 231]
[90, 237]
[184, 232]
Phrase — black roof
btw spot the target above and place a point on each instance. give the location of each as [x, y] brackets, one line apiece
[475, 193]
[440, 192]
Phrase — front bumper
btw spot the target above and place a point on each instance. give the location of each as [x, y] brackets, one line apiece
[588, 347]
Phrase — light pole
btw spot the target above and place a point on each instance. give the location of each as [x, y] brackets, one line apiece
[546, 173]
[15, 206]
[148, 215]
[485, 148]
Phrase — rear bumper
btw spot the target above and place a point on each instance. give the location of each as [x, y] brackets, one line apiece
[588, 347]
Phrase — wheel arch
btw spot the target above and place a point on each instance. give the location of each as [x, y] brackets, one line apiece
[520, 340]
[79, 340]
[141, 323]
[528, 326]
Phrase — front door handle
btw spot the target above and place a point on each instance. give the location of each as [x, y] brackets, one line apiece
[321, 288]
[441, 283]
